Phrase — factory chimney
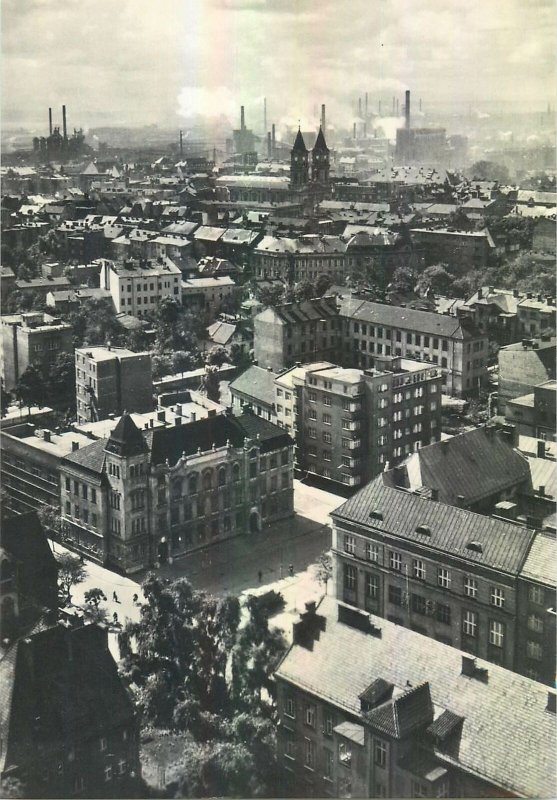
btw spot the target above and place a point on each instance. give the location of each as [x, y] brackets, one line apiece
[264, 114]
[366, 104]
[65, 128]
[394, 106]
[379, 108]
[407, 110]
[181, 144]
[50, 121]
[359, 106]
[269, 145]
[420, 103]
[273, 140]
[242, 118]
[323, 118]
[397, 107]
[354, 134]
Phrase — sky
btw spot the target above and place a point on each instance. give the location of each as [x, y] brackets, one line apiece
[133, 62]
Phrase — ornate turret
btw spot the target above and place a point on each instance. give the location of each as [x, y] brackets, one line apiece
[299, 162]
[320, 161]
[126, 439]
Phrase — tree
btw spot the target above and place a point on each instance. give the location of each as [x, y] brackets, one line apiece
[30, 388]
[161, 365]
[304, 290]
[211, 383]
[70, 572]
[324, 568]
[5, 401]
[95, 322]
[217, 769]
[50, 518]
[403, 280]
[60, 383]
[270, 295]
[94, 612]
[459, 219]
[489, 171]
[437, 279]
[323, 284]
[13, 789]
[137, 340]
[94, 596]
[217, 356]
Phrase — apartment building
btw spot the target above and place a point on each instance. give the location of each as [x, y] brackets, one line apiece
[207, 294]
[444, 572]
[368, 708]
[137, 287]
[534, 414]
[302, 258]
[33, 338]
[350, 424]
[307, 331]
[524, 365]
[465, 250]
[111, 380]
[506, 315]
[376, 329]
[138, 497]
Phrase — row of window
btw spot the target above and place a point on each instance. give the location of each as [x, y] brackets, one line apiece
[411, 338]
[87, 492]
[419, 570]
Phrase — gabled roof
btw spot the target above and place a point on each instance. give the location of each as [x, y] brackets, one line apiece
[91, 458]
[221, 332]
[126, 439]
[505, 718]
[503, 545]
[400, 716]
[299, 144]
[257, 383]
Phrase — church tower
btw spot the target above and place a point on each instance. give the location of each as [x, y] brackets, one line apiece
[320, 161]
[299, 163]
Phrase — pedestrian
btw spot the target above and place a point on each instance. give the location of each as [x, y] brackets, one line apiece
[291, 569]
[260, 576]
[115, 597]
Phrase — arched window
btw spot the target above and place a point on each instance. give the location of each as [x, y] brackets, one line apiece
[176, 488]
[192, 483]
[236, 472]
[222, 476]
[208, 479]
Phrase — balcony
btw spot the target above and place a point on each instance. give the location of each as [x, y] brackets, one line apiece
[354, 444]
[351, 425]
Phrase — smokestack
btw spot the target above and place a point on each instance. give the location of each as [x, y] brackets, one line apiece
[359, 106]
[264, 114]
[407, 109]
[50, 121]
[273, 139]
[242, 118]
[64, 122]
[379, 107]
[366, 104]
[269, 145]
[397, 107]
[365, 129]
[394, 105]
[354, 134]
[420, 103]
[323, 118]
[181, 144]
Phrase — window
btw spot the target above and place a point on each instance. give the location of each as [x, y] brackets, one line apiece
[328, 764]
[497, 597]
[470, 586]
[309, 716]
[372, 551]
[312, 413]
[327, 400]
[534, 650]
[122, 766]
[496, 633]
[108, 773]
[372, 586]
[349, 544]
[536, 595]
[380, 752]
[419, 789]
[290, 708]
[312, 397]
[418, 567]
[222, 476]
[208, 479]
[443, 577]
[312, 433]
[443, 613]
[395, 595]
[419, 605]
[103, 744]
[329, 725]
[289, 747]
[308, 754]
[349, 577]
[345, 754]
[327, 419]
[470, 623]
[535, 623]
[68, 484]
[395, 560]
[327, 438]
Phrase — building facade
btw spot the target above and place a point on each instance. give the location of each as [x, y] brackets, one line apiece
[524, 365]
[34, 339]
[138, 286]
[111, 380]
[141, 497]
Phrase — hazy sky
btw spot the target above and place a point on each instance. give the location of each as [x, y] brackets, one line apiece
[150, 61]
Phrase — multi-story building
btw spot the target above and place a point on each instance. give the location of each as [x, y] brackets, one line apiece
[69, 727]
[375, 329]
[307, 331]
[144, 496]
[111, 380]
[255, 387]
[32, 338]
[350, 424]
[138, 286]
[304, 258]
[464, 250]
[368, 708]
[505, 315]
[442, 571]
[534, 414]
[524, 365]
[207, 295]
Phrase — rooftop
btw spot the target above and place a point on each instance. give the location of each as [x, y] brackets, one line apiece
[541, 563]
[504, 719]
[256, 382]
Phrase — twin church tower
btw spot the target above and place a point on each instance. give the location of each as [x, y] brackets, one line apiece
[300, 162]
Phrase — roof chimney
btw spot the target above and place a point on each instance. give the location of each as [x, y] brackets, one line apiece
[64, 126]
[75, 446]
[50, 121]
[435, 494]
[550, 702]
[541, 448]
[407, 110]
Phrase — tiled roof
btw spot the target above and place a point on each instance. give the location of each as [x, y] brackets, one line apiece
[24, 538]
[126, 439]
[256, 382]
[308, 311]
[543, 473]
[92, 457]
[504, 546]
[409, 319]
[473, 465]
[401, 715]
[541, 564]
[505, 718]
[221, 332]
